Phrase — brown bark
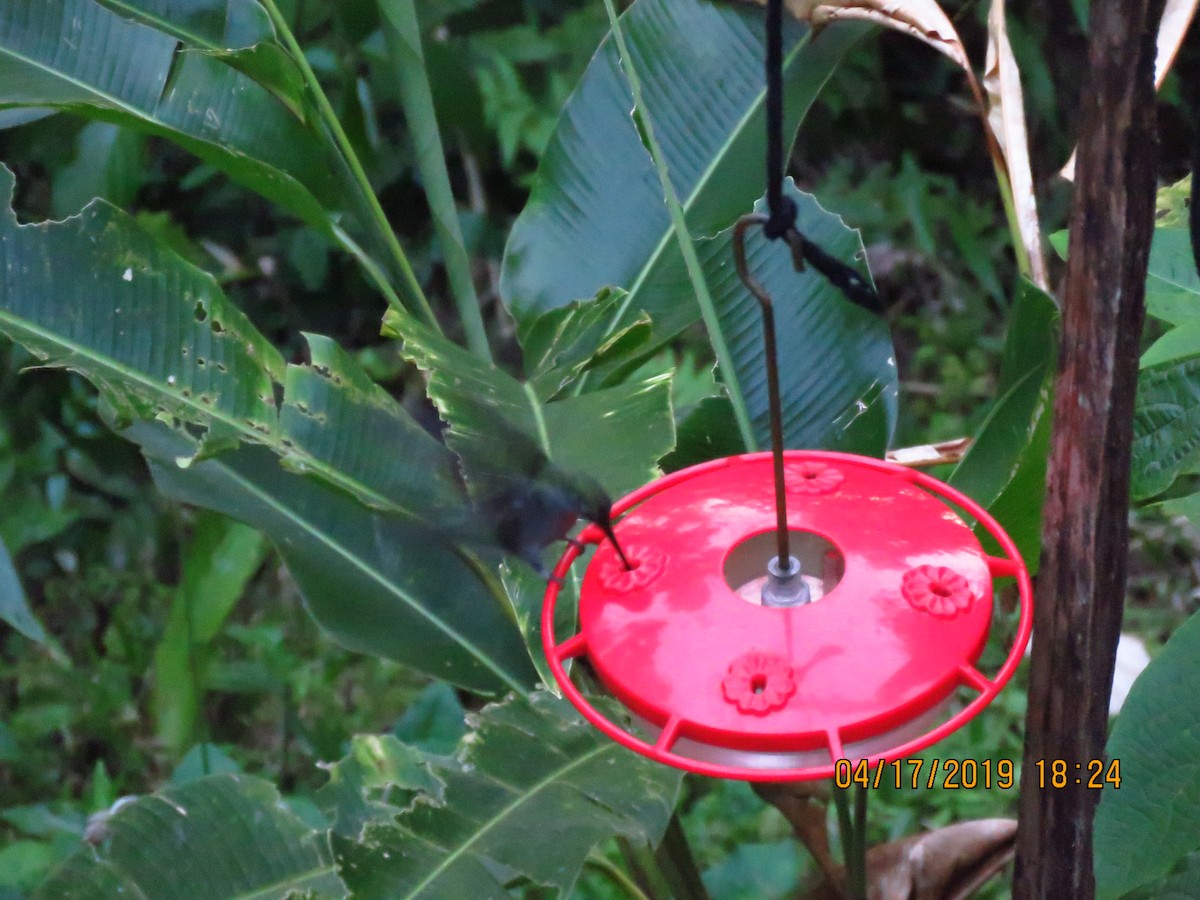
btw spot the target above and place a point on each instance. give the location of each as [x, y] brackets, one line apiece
[1081, 585]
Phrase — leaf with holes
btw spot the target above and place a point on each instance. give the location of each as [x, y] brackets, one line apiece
[530, 765]
[80, 56]
[98, 295]
[375, 782]
[501, 428]
[561, 345]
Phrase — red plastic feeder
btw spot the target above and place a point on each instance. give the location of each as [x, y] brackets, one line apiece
[901, 609]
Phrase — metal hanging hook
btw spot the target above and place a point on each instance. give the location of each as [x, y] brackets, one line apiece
[784, 585]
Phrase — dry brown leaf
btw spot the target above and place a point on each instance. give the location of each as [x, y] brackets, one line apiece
[1006, 117]
[1177, 17]
[1003, 120]
[925, 455]
[946, 864]
[922, 19]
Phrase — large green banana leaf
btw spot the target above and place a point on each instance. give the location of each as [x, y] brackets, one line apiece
[81, 56]
[405, 823]
[837, 366]
[226, 836]
[596, 216]
[532, 770]
[375, 583]
[98, 295]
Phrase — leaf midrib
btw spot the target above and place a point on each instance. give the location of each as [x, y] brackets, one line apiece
[335, 475]
[272, 441]
[1183, 287]
[149, 119]
[709, 172]
[295, 881]
[142, 17]
[539, 419]
[506, 811]
[371, 572]
[116, 102]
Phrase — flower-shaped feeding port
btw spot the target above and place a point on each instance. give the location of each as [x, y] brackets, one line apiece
[937, 590]
[758, 683]
[813, 478]
[645, 565]
[884, 665]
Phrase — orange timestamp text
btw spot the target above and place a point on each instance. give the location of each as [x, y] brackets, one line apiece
[969, 774]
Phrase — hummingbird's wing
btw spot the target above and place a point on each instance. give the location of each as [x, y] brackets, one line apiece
[520, 501]
[497, 458]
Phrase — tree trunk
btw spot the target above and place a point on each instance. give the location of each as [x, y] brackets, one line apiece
[1081, 586]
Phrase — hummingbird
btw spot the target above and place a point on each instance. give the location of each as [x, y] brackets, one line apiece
[522, 502]
[534, 513]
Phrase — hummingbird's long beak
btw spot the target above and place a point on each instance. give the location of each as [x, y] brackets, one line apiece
[606, 527]
[609, 533]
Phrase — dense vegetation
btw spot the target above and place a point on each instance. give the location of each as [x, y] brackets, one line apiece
[169, 641]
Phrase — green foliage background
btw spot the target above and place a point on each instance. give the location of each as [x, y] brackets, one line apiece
[110, 704]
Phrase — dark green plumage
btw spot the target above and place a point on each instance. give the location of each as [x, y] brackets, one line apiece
[522, 502]
[534, 513]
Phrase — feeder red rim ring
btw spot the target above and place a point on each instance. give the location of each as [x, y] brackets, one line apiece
[1009, 566]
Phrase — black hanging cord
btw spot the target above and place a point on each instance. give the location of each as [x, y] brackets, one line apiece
[782, 209]
[781, 223]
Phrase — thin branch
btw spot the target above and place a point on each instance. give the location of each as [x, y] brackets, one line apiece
[346, 150]
[403, 37]
[855, 864]
[676, 861]
[640, 860]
